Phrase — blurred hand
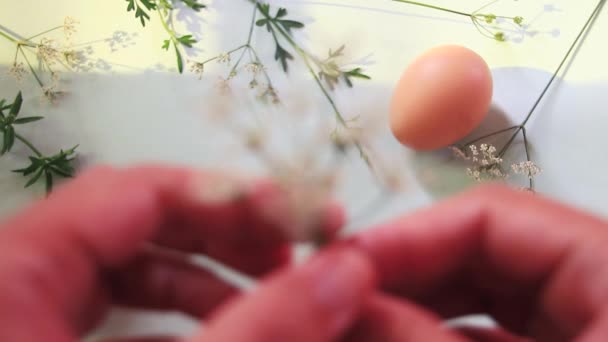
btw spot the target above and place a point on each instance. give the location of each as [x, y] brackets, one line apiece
[67, 259]
[537, 267]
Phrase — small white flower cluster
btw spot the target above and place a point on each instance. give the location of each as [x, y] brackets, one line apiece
[17, 71]
[197, 68]
[254, 68]
[69, 27]
[224, 58]
[527, 168]
[48, 52]
[488, 166]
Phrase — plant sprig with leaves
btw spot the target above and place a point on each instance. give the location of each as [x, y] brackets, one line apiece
[486, 23]
[59, 164]
[47, 54]
[332, 72]
[164, 8]
[528, 167]
[281, 27]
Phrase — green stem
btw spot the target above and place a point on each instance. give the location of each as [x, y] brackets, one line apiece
[166, 26]
[31, 67]
[28, 144]
[5, 35]
[555, 74]
[256, 57]
[490, 135]
[527, 148]
[312, 72]
[416, 3]
[16, 41]
[305, 57]
[228, 53]
[45, 32]
[249, 37]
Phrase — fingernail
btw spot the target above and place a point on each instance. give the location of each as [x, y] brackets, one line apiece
[341, 279]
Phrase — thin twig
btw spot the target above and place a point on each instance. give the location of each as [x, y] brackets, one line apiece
[555, 74]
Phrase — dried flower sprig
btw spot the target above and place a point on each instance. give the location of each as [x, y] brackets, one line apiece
[487, 165]
[164, 8]
[332, 72]
[59, 164]
[280, 29]
[48, 54]
[527, 167]
[481, 21]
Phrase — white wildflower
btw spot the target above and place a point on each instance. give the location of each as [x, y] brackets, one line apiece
[18, 71]
[486, 165]
[473, 149]
[223, 58]
[69, 26]
[48, 51]
[197, 68]
[527, 168]
[254, 68]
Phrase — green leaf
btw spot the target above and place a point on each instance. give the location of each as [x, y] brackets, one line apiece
[166, 44]
[164, 4]
[143, 16]
[281, 55]
[194, 4]
[48, 182]
[290, 24]
[354, 73]
[281, 13]
[16, 106]
[150, 5]
[29, 119]
[140, 13]
[357, 73]
[264, 9]
[180, 61]
[9, 139]
[35, 164]
[35, 178]
[61, 172]
[187, 40]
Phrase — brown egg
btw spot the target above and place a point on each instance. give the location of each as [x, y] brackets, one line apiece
[441, 97]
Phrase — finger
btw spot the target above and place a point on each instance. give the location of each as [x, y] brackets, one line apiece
[168, 282]
[598, 330]
[507, 246]
[315, 302]
[144, 339]
[388, 319]
[490, 335]
[99, 221]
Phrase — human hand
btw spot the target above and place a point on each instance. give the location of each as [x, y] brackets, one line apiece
[537, 267]
[67, 259]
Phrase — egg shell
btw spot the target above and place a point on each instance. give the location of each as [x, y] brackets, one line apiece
[441, 97]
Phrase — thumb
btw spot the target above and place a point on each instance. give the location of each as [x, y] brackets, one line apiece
[315, 302]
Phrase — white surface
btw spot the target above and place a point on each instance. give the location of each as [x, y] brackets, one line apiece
[129, 110]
